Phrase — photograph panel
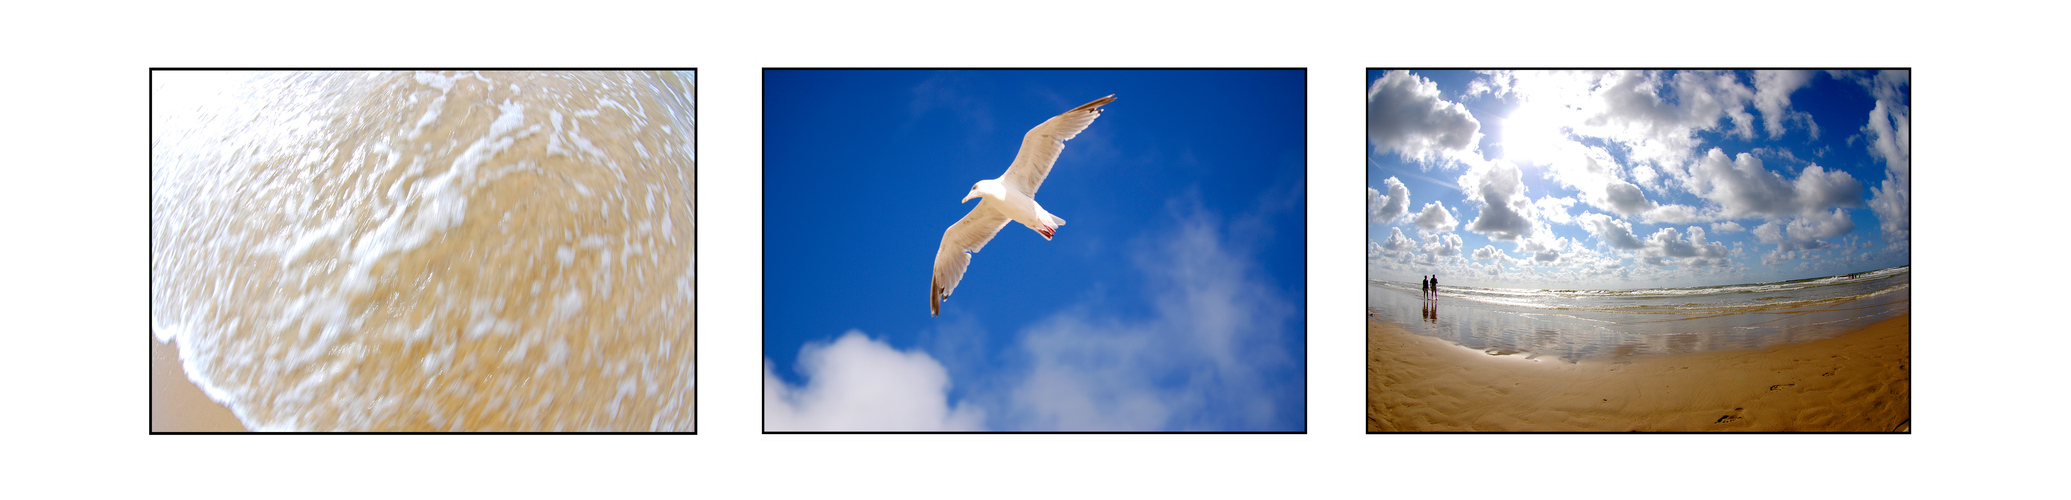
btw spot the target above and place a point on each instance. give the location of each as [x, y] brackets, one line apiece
[423, 251]
[1645, 250]
[1154, 284]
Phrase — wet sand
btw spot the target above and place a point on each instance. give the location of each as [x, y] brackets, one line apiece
[177, 405]
[1857, 382]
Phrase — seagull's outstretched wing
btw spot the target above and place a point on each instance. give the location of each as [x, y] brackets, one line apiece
[965, 236]
[1040, 147]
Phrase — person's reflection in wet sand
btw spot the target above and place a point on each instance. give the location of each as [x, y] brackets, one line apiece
[1431, 311]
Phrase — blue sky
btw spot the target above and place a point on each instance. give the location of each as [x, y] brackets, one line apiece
[1628, 179]
[1172, 300]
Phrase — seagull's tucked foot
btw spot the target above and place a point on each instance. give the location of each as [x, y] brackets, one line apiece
[1047, 232]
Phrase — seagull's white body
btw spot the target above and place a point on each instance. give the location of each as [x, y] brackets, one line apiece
[1011, 197]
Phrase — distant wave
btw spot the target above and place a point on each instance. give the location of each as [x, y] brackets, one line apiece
[1736, 298]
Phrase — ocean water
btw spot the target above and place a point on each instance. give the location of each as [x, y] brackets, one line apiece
[429, 251]
[1576, 325]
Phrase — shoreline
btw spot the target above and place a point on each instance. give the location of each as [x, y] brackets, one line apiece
[1859, 381]
[177, 405]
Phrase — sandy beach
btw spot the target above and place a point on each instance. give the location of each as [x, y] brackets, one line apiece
[177, 405]
[1856, 382]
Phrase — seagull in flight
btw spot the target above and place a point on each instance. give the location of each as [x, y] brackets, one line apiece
[1011, 197]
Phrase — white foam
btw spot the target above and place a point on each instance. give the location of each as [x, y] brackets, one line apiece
[441, 204]
[309, 239]
[569, 304]
[430, 115]
[443, 82]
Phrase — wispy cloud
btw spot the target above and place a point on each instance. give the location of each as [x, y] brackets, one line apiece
[1211, 357]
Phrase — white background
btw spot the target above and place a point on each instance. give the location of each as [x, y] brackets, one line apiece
[74, 247]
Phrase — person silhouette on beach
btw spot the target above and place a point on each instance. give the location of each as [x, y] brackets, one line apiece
[1424, 285]
[1434, 284]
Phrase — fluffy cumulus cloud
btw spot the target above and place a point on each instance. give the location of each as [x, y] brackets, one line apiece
[1773, 90]
[859, 383]
[1211, 357]
[1805, 233]
[1657, 117]
[1385, 208]
[1498, 186]
[1890, 134]
[1612, 231]
[1741, 187]
[1488, 253]
[1648, 176]
[1545, 249]
[1692, 248]
[1554, 209]
[1435, 218]
[1593, 171]
[1405, 114]
[1442, 245]
[1666, 246]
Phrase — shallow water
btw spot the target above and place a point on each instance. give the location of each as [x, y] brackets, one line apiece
[1575, 325]
[429, 251]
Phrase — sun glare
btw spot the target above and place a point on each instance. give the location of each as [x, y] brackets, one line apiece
[1532, 135]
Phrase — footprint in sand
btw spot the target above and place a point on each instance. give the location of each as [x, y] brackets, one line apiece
[1779, 387]
[1726, 418]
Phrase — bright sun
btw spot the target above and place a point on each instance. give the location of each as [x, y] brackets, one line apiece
[1533, 134]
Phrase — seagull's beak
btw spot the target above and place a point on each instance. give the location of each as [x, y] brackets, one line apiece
[974, 194]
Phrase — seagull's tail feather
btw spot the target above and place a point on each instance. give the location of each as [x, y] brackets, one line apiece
[1049, 228]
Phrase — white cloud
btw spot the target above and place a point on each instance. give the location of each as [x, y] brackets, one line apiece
[1807, 232]
[1488, 252]
[1743, 188]
[1435, 218]
[1382, 209]
[1663, 247]
[1693, 249]
[1593, 171]
[1405, 114]
[1497, 83]
[1773, 90]
[860, 384]
[1625, 198]
[1211, 356]
[1396, 242]
[1635, 109]
[1498, 187]
[1890, 131]
[1442, 245]
[1555, 209]
[1890, 136]
[1892, 201]
[1675, 214]
[1653, 116]
[1613, 232]
[1544, 249]
[1727, 227]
